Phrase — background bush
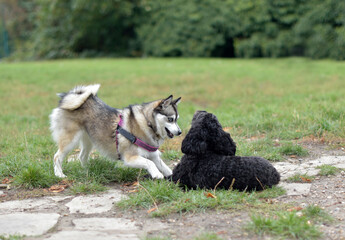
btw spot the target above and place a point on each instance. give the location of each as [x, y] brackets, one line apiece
[170, 28]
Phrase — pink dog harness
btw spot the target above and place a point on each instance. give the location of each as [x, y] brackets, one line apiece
[133, 139]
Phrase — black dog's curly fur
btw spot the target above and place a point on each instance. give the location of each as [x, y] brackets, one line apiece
[210, 156]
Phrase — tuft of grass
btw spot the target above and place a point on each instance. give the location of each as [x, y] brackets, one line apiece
[284, 224]
[271, 192]
[208, 236]
[172, 155]
[97, 173]
[266, 148]
[12, 237]
[105, 171]
[87, 188]
[261, 147]
[328, 170]
[35, 176]
[293, 149]
[170, 198]
[152, 192]
[317, 214]
[100, 170]
[300, 178]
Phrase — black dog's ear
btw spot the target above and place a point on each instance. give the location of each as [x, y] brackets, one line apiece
[218, 140]
[195, 142]
[226, 146]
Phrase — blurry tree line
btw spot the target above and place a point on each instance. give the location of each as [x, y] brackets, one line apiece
[41, 29]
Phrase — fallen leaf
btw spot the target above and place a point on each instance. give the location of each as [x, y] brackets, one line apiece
[209, 195]
[7, 180]
[66, 182]
[57, 188]
[293, 156]
[226, 129]
[151, 210]
[298, 208]
[305, 179]
[133, 191]
[131, 184]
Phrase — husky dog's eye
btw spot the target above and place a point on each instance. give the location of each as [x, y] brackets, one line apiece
[170, 119]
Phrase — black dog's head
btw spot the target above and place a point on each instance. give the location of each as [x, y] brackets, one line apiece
[207, 135]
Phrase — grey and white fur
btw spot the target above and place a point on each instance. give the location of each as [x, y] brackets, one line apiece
[84, 119]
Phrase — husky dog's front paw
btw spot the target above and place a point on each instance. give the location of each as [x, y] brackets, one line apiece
[58, 172]
[157, 175]
[60, 175]
[167, 172]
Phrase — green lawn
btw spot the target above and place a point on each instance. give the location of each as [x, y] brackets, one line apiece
[264, 99]
[282, 99]
[268, 106]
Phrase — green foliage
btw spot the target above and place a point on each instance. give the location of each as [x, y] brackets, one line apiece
[188, 28]
[209, 28]
[69, 28]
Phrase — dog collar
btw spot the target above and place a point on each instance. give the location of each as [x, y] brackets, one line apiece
[133, 139]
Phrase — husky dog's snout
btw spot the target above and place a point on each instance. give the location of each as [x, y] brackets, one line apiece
[173, 131]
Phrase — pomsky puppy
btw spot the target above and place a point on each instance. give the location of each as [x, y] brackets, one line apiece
[132, 134]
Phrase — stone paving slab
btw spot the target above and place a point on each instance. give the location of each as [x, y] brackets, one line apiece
[287, 169]
[29, 224]
[40, 204]
[95, 204]
[91, 235]
[107, 224]
[296, 188]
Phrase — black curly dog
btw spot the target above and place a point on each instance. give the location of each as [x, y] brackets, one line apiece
[210, 160]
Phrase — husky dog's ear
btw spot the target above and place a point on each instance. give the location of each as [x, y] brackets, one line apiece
[176, 101]
[166, 102]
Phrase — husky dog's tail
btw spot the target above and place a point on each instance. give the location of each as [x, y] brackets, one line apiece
[77, 96]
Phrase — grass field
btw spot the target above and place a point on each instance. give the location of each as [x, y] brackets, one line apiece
[265, 104]
[269, 106]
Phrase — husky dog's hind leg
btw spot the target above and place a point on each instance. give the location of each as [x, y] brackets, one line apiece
[85, 148]
[67, 140]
